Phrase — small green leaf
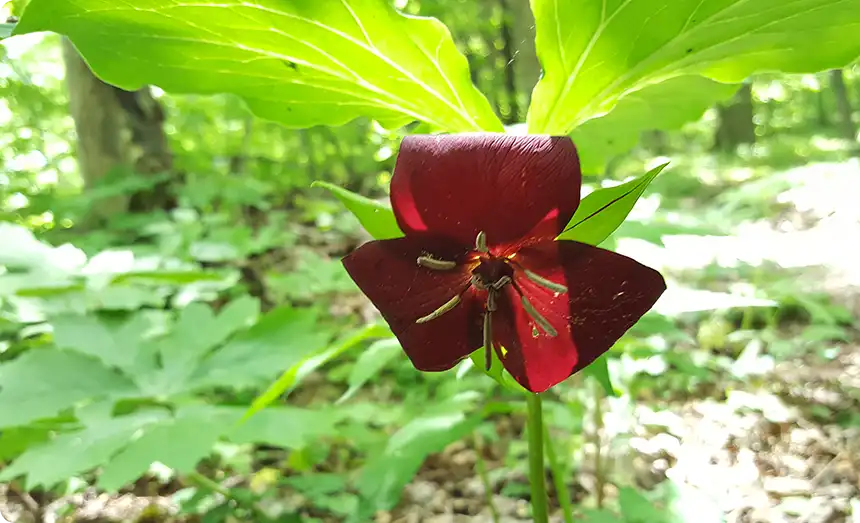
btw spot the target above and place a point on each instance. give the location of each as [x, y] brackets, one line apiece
[371, 361]
[604, 210]
[599, 370]
[298, 63]
[116, 343]
[637, 508]
[6, 30]
[617, 48]
[179, 443]
[80, 451]
[282, 338]
[377, 219]
[291, 376]
[287, 427]
[383, 477]
[42, 382]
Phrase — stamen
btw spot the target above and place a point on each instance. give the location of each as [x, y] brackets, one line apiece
[543, 282]
[491, 301]
[536, 316]
[450, 304]
[481, 242]
[434, 264]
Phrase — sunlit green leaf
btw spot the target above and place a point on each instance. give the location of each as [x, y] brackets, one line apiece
[377, 219]
[604, 210]
[594, 52]
[298, 63]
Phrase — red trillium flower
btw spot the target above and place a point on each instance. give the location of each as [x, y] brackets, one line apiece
[480, 266]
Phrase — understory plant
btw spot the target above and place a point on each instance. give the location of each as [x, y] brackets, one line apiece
[487, 253]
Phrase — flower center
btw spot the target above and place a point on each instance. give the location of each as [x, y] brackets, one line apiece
[492, 273]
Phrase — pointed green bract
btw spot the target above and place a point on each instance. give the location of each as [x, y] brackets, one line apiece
[377, 219]
[297, 63]
[604, 210]
[593, 52]
[599, 370]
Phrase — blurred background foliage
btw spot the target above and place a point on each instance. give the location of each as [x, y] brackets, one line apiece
[128, 220]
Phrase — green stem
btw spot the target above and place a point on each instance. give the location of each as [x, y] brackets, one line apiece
[540, 509]
[558, 478]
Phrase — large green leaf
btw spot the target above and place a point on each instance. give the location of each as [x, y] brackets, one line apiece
[664, 106]
[594, 52]
[604, 210]
[377, 219]
[300, 63]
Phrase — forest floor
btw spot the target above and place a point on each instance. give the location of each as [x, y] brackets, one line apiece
[769, 450]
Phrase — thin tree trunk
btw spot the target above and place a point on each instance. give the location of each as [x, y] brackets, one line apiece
[117, 131]
[526, 64]
[821, 109]
[508, 53]
[844, 111]
[736, 124]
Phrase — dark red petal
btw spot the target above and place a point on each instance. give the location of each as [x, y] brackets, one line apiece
[505, 185]
[607, 294]
[387, 272]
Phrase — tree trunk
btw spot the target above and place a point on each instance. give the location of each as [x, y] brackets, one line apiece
[525, 64]
[509, 53]
[118, 132]
[845, 121]
[736, 124]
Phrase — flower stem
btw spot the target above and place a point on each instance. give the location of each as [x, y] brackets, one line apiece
[537, 477]
[561, 490]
